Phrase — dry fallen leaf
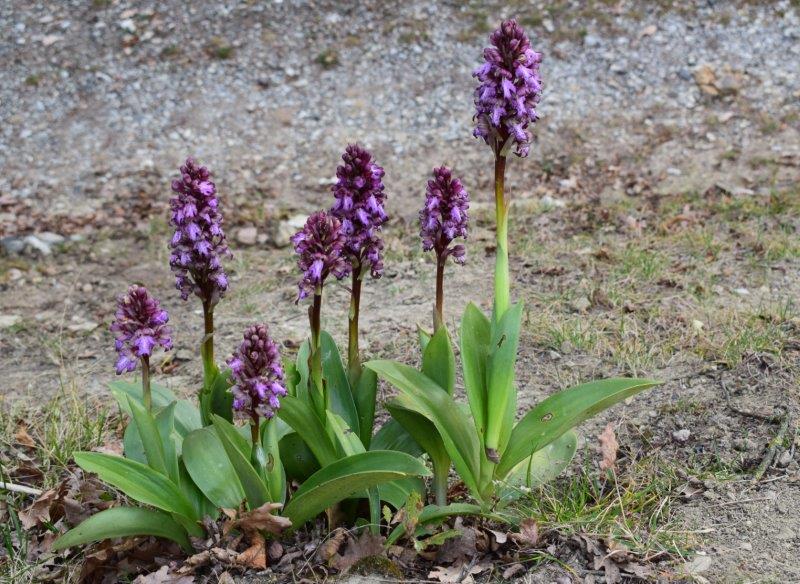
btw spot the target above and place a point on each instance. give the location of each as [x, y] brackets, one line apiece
[256, 555]
[528, 536]
[164, 576]
[608, 447]
[39, 511]
[457, 574]
[367, 545]
[512, 571]
[330, 547]
[260, 519]
[22, 437]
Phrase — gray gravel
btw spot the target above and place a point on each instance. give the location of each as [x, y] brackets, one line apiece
[268, 93]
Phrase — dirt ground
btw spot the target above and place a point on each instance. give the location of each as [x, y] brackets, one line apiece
[655, 226]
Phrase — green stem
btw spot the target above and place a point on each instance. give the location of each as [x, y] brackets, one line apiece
[147, 398]
[207, 348]
[502, 286]
[315, 357]
[255, 435]
[438, 316]
[441, 470]
[353, 352]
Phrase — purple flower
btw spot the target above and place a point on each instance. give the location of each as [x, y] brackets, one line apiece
[257, 373]
[198, 244]
[320, 248]
[359, 204]
[509, 90]
[445, 215]
[139, 325]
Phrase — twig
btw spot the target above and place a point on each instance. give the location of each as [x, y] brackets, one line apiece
[772, 450]
[757, 415]
[20, 489]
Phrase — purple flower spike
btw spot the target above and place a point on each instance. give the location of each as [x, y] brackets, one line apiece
[445, 215]
[198, 245]
[359, 205]
[139, 325]
[509, 90]
[256, 370]
[320, 246]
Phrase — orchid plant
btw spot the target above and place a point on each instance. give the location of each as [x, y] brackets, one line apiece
[311, 422]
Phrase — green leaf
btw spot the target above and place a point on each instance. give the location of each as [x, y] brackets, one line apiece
[424, 338]
[340, 432]
[339, 394]
[433, 514]
[202, 506]
[366, 390]
[274, 472]
[297, 458]
[304, 421]
[150, 437]
[187, 416]
[396, 493]
[542, 467]
[132, 444]
[165, 423]
[421, 429]
[561, 412]
[500, 375]
[392, 436]
[349, 476]
[421, 394]
[301, 364]
[255, 490]
[234, 435]
[207, 463]
[439, 361]
[475, 338]
[220, 399]
[124, 522]
[138, 481]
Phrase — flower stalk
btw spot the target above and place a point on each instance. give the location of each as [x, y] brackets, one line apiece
[147, 397]
[502, 283]
[353, 352]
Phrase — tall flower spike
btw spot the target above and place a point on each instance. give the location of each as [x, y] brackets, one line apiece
[139, 325]
[320, 248]
[198, 244]
[510, 88]
[359, 205]
[257, 373]
[445, 215]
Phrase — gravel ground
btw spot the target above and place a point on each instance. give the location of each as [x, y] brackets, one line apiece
[101, 101]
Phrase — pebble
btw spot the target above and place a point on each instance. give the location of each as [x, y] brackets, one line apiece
[784, 459]
[247, 235]
[681, 435]
[581, 304]
[9, 320]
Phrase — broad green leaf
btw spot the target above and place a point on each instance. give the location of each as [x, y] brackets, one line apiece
[421, 429]
[364, 397]
[542, 467]
[138, 481]
[150, 437]
[421, 394]
[132, 444]
[187, 415]
[563, 411]
[349, 476]
[392, 436]
[238, 438]
[124, 522]
[255, 491]
[297, 458]
[500, 375]
[339, 394]
[304, 421]
[301, 364]
[396, 493]
[207, 463]
[274, 472]
[202, 506]
[475, 338]
[290, 376]
[220, 399]
[439, 361]
[341, 433]
[165, 423]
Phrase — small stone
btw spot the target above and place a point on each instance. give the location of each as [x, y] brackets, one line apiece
[184, 355]
[14, 274]
[746, 546]
[286, 229]
[51, 238]
[742, 291]
[9, 320]
[744, 444]
[681, 436]
[581, 304]
[127, 25]
[784, 459]
[706, 79]
[12, 245]
[549, 202]
[33, 243]
[85, 326]
[699, 564]
[785, 534]
[247, 235]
